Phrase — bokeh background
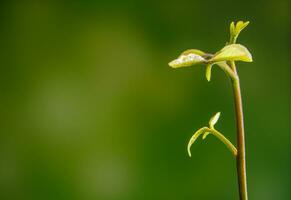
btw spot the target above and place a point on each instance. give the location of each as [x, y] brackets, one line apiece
[91, 110]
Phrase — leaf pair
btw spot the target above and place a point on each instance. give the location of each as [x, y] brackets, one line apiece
[235, 29]
[205, 131]
[233, 52]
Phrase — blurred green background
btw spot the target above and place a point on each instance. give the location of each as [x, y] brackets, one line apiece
[91, 110]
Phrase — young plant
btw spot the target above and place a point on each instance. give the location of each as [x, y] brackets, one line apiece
[225, 59]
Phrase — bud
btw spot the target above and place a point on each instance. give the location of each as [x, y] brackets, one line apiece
[213, 120]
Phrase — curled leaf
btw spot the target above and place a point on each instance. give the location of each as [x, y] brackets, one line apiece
[194, 138]
[213, 120]
[233, 52]
[188, 58]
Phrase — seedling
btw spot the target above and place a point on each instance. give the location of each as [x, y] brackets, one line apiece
[224, 59]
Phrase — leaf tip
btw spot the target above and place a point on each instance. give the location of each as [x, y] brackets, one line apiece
[189, 149]
[232, 27]
[208, 72]
[172, 64]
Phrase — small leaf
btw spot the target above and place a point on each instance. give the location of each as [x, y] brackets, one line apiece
[232, 28]
[240, 26]
[233, 52]
[194, 138]
[188, 58]
[213, 120]
[236, 29]
[208, 72]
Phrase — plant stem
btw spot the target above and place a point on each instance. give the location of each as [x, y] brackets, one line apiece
[241, 154]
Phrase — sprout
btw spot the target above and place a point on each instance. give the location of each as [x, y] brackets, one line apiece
[236, 29]
[225, 59]
[205, 131]
[213, 120]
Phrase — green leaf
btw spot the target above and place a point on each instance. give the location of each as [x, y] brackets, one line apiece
[233, 52]
[240, 25]
[213, 120]
[236, 29]
[188, 58]
[208, 72]
[194, 138]
[232, 28]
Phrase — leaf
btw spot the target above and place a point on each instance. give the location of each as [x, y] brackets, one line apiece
[236, 29]
[240, 25]
[208, 72]
[188, 58]
[194, 138]
[213, 120]
[232, 28]
[233, 52]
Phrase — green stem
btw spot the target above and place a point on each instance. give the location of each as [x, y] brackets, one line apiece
[241, 154]
[227, 143]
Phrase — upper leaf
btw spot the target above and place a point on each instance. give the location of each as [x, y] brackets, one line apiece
[233, 52]
[236, 29]
[188, 58]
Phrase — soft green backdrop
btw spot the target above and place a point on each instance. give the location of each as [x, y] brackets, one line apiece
[90, 109]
